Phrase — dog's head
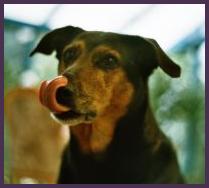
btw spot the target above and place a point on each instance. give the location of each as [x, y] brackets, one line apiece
[104, 70]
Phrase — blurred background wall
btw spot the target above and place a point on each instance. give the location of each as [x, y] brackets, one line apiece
[179, 104]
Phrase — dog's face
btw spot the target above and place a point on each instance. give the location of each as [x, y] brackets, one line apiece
[104, 70]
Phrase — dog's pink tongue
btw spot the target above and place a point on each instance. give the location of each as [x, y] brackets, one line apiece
[47, 94]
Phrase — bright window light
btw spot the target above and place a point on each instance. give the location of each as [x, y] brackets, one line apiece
[169, 23]
[106, 17]
[29, 13]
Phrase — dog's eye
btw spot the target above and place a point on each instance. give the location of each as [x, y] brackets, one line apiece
[70, 55]
[106, 61]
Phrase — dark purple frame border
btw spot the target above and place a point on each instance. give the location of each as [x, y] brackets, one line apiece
[99, 2]
[105, 1]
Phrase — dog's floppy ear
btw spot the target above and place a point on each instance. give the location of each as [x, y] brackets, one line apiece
[164, 61]
[56, 40]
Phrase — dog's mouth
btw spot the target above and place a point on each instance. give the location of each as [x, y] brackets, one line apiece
[71, 116]
[68, 115]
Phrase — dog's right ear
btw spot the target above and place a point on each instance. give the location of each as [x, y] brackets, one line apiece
[164, 62]
[56, 40]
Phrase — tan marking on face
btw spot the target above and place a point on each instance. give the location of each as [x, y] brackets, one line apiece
[108, 49]
[112, 94]
[79, 43]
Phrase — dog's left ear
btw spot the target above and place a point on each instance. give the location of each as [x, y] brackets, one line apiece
[164, 61]
[56, 40]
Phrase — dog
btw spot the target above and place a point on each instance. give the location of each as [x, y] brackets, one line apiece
[114, 135]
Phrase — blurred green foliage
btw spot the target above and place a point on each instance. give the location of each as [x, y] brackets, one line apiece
[179, 105]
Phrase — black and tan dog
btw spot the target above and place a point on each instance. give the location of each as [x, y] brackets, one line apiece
[114, 135]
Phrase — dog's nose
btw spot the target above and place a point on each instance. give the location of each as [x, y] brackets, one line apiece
[64, 96]
[49, 94]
